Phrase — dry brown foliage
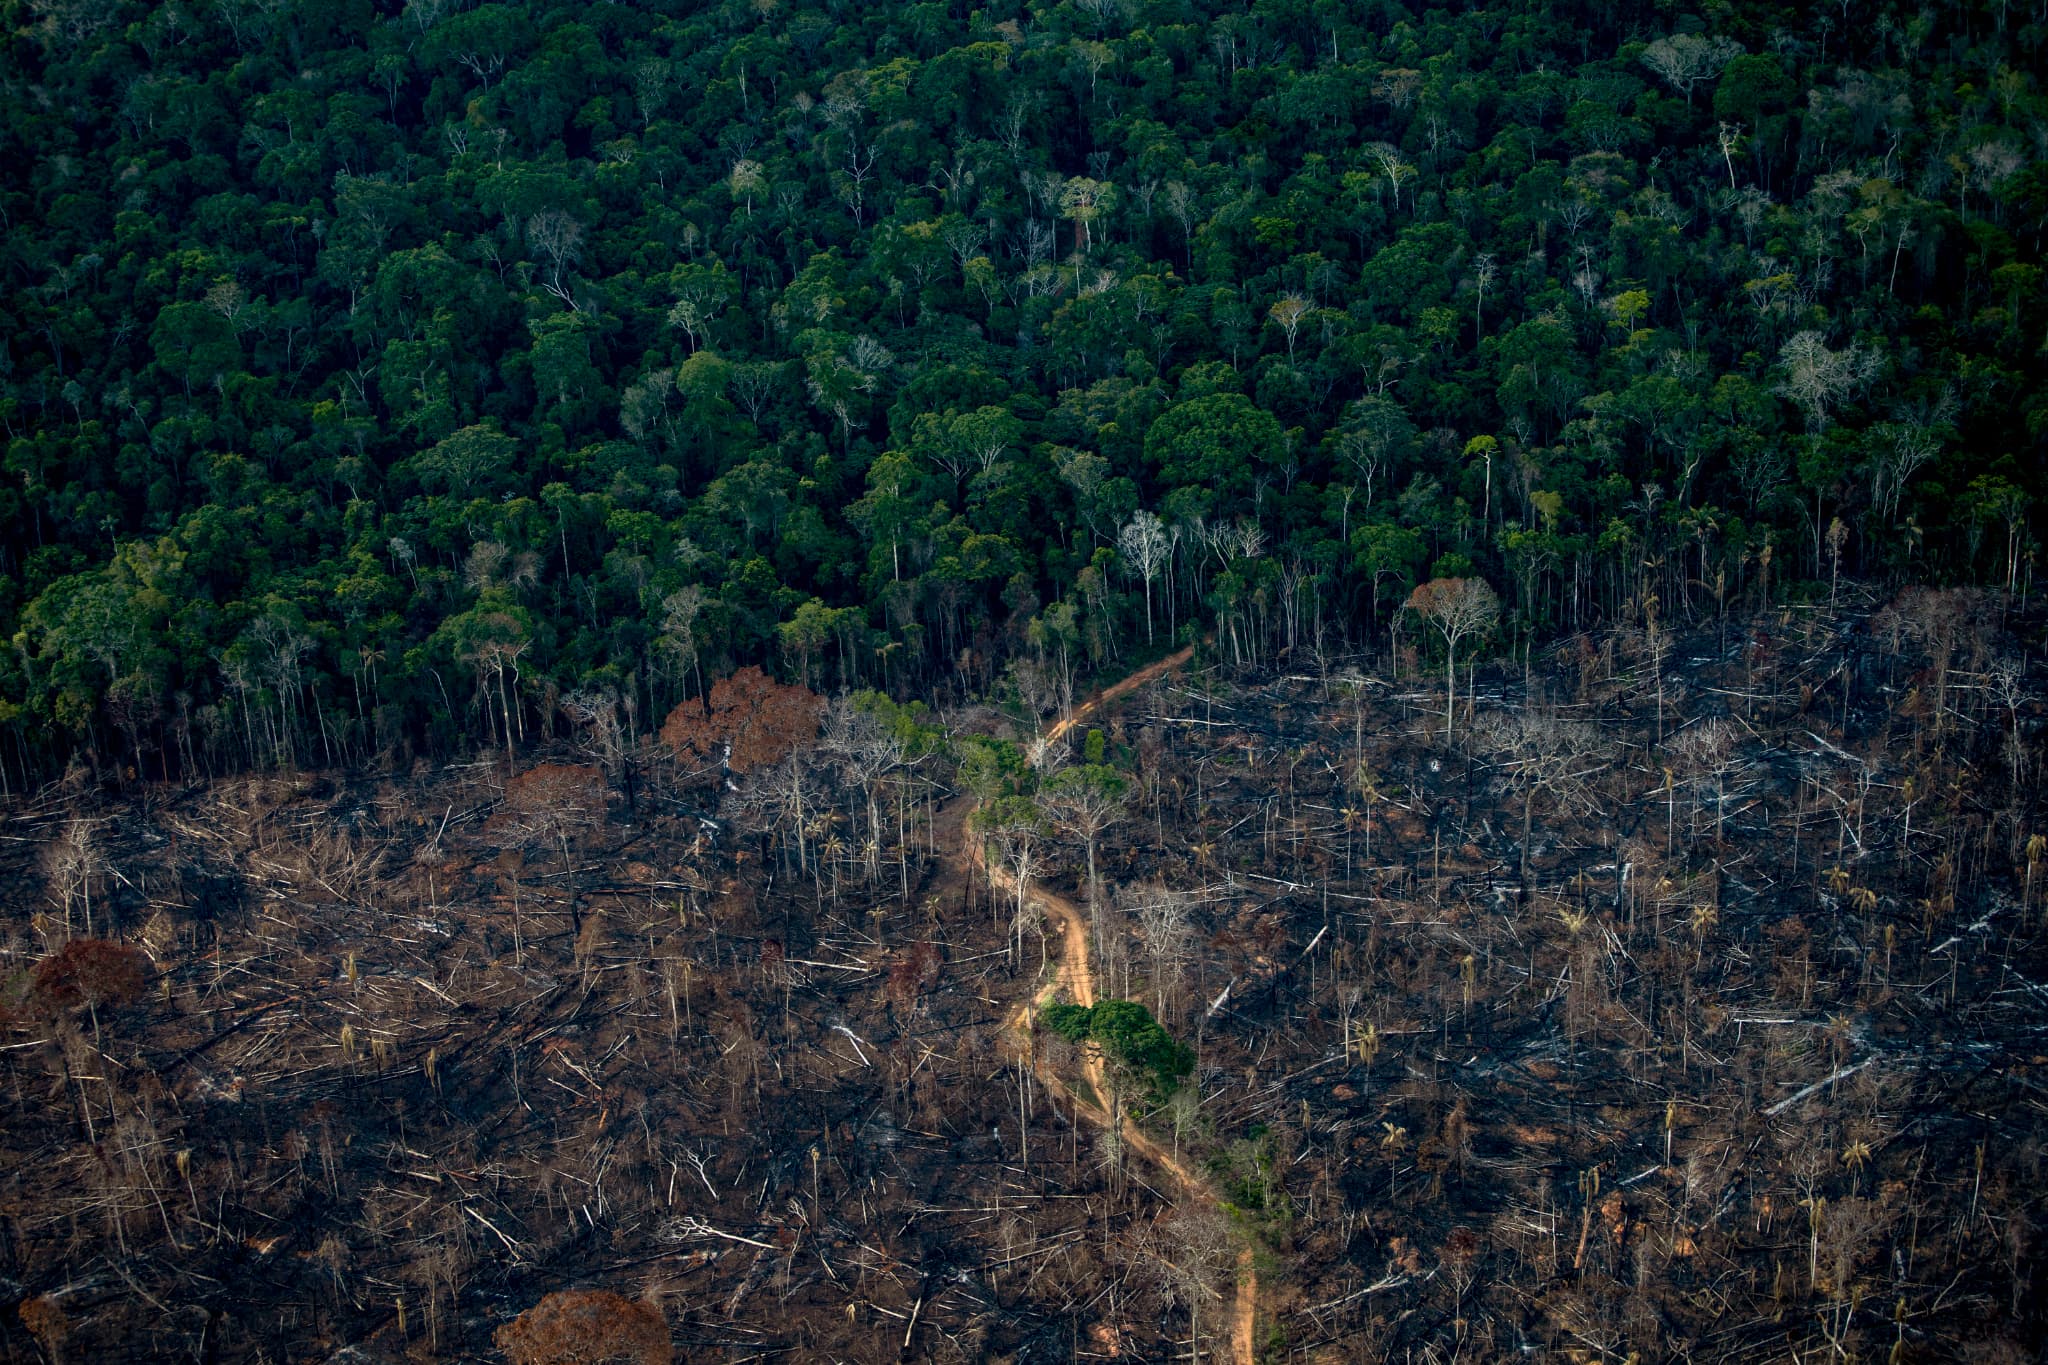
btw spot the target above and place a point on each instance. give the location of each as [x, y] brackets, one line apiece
[763, 720]
[557, 787]
[914, 973]
[89, 971]
[586, 1327]
[47, 1323]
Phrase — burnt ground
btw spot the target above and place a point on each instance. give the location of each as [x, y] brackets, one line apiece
[383, 1093]
[1746, 1064]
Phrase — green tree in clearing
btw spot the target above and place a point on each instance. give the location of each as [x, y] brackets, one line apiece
[1130, 1037]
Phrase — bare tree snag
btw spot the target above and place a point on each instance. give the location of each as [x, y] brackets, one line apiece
[1457, 608]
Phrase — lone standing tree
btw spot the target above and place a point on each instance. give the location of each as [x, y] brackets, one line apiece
[1086, 801]
[1457, 607]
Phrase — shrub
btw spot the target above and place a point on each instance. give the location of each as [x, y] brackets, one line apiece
[89, 972]
[1130, 1036]
[586, 1327]
[1068, 1021]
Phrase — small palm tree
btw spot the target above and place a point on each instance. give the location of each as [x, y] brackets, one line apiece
[1704, 918]
[1856, 1156]
[1369, 788]
[1391, 1146]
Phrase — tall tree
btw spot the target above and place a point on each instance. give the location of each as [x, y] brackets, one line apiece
[1458, 609]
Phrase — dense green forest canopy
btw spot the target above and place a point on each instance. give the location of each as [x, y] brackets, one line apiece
[386, 380]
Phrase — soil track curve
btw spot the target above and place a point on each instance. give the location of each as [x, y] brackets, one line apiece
[1074, 977]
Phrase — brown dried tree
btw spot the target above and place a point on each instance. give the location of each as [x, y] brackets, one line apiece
[553, 804]
[749, 721]
[914, 974]
[586, 1327]
[89, 972]
[47, 1322]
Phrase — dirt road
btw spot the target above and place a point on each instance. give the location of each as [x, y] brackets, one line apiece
[1119, 689]
[1074, 978]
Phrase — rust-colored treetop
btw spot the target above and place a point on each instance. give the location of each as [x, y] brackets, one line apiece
[763, 720]
[586, 1327]
[1456, 606]
[89, 972]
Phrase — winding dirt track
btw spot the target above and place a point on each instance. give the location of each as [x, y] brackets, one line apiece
[1118, 690]
[1075, 979]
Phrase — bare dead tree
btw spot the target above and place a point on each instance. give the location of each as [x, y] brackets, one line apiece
[1459, 609]
[70, 866]
[1015, 830]
[555, 804]
[1166, 924]
[596, 715]
[786, 795]
[1188, 1253]
[1706, 754]
[868, 756]
[557, 237]
[1544, 756]
[1085, 802]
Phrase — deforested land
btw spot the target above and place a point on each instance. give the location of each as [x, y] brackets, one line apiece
[1678, 994]
[1118, 679]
